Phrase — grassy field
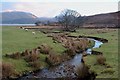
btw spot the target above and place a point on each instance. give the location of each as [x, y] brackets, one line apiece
[17, 40]
[109, 50]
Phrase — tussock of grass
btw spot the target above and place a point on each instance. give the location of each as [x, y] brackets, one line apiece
[45, 49]
[16, 55]
[101, 59]
[83, 71]
[25, 53]
[7, 70]
[53, 59]
[32, 57]
[36, 64]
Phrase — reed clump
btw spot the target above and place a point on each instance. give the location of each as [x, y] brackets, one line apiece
[101, 59]
[7, 70]
[53, 59]
[45, 49]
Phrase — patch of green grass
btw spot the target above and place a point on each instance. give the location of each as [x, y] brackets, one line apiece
[15, 39]
[109, 50]
[20, 64]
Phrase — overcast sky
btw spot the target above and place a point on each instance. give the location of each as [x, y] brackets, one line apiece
[51, 9]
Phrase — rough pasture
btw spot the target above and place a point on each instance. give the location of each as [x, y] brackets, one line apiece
[18, 40]
[109, 50]
[23, 41]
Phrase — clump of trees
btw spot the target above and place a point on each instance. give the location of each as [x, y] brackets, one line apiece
[69, 19]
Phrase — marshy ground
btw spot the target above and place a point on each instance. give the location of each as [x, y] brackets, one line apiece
[18, 40]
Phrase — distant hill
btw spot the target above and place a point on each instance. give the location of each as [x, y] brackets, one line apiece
[51, 19]
[102, 20]
[99, 20]
[17, 17]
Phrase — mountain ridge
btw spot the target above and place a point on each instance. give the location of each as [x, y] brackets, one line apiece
[99, 20]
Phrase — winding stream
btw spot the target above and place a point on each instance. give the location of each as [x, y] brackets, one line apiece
[96, 45]
[66, 69]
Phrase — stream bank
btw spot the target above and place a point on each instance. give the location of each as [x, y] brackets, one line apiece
[65, 70]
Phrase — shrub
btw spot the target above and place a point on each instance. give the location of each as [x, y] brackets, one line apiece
[77, 46]
[33, 51]
[56, 38]
[25, 53]
[32, 57]
[66, 44]
[16, 55]
[84, 43]
[53, 59]
[71, 51]
[65, 57]
[35, 64]
[82, 71]
[45, 49]
[7, 70]
[80, 44]
[101, 60]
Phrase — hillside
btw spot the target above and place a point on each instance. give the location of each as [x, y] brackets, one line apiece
[99, 20]
[102, 20]
[17, 17]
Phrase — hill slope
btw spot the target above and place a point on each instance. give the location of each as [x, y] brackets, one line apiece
[16, 17]
[102, 20]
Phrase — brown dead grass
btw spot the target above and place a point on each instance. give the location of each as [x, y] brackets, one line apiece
[53, 59]
[7, 70]
[32, 57]
[101, 60]
[35, 64]
[16, 55]
[45, 49]
[82, 71]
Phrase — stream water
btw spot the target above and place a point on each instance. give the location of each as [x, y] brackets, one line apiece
[66, 69]
[96, 45]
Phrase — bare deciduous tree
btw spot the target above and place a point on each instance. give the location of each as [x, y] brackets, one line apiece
[68, 19]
